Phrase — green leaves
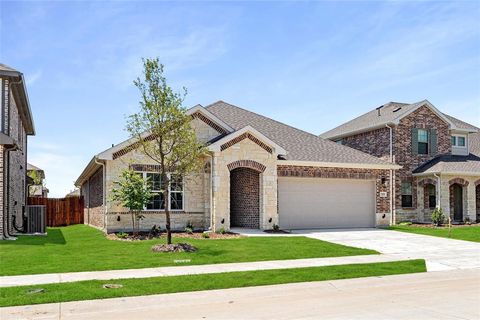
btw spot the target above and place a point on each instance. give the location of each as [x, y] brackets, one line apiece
[132, 191]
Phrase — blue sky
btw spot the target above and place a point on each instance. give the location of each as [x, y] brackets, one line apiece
[312, 65]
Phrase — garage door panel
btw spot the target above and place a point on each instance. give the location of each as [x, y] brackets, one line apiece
[325, 203]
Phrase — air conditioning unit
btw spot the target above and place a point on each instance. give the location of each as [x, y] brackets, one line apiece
[36, 219]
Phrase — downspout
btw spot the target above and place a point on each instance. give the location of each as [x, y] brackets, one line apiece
[392, 206]
[104, 193]
[439, 194]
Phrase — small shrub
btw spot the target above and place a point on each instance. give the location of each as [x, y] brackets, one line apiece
[438, 217]
[122, 235]
[467, 220]
[189, 225]
[276, 227]
[205, 235]
[222, 230]
[405, 223]
[188, 230]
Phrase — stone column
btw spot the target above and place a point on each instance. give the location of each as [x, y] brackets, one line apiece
[420, 202]
[444, 193]
[470, 211]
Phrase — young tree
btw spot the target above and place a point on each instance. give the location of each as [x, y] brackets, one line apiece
[133, 193]
[163, 131]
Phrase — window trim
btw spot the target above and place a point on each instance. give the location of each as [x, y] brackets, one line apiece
[454, 138]
[144, 175]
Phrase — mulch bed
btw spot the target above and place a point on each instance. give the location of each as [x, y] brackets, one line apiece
[431, 226]
[174, 247]
[195, 235]
[277, 231]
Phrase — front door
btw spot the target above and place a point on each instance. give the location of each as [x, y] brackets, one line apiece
[457, 203]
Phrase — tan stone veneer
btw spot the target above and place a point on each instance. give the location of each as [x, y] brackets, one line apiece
[246, 149]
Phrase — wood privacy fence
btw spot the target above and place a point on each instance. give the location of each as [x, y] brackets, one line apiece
[61, 211]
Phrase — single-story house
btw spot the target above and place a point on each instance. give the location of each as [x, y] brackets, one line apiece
[259, 173]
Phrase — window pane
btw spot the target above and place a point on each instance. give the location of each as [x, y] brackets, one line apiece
[176, 199]
[431, 189]
[406, 188]
[155, 181]
[461, 141]
[157, 202]
[422, 148]
[454, 141]
[422, 135]
[176, 183]
[432, 201]
[406, 201]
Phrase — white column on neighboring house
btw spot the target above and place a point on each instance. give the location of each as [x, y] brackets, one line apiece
[471, 203]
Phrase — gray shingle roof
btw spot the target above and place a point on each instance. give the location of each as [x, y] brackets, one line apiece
[459, 123]
[459, 164]
[379, 117]
[388, 113]
[300, 145]
[451, 164]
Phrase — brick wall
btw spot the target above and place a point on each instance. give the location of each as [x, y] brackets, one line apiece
[422, 118]
[382, 204]
[92, 192]
[245, 198]
[17, 162]
[375, 142]
[1, 191]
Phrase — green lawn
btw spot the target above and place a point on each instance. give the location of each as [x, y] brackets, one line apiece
[468, 233]
[87, 290]
[83, 248]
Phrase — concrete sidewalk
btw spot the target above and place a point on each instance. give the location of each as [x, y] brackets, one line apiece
[11, 281]
[421, 296]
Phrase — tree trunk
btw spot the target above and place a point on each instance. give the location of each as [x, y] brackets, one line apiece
[167, 216]
[133, 222]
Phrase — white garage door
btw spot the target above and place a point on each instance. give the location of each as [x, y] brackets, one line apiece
[305, 203]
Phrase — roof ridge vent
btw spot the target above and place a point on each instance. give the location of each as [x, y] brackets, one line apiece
[378, 109]
[397, 109]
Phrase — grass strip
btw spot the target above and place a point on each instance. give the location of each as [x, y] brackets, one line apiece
[467, 233]
[88, 290]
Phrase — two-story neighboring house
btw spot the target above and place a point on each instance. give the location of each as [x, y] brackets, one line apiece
[439, 155]
[16, 125]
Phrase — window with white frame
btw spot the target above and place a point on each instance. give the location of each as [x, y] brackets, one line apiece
[459, 141]
[154, 179]
[422, 141]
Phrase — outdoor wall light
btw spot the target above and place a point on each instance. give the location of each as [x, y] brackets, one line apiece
[118, 218]
[223, 221]
[383, 217]
[270, 220]
[384, 180]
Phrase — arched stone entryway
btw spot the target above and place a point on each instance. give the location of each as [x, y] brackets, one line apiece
[457, 191]
[245, 198]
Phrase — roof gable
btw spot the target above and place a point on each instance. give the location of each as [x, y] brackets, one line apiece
[250, 133]
[389, 114]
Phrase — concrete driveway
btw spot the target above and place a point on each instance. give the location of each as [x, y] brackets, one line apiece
[439, 253]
